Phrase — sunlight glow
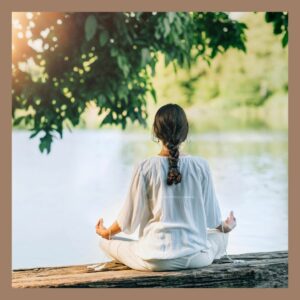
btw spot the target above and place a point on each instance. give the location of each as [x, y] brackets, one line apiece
[236, 15]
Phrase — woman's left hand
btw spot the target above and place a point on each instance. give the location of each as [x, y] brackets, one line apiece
[230, 222]
[101, 230]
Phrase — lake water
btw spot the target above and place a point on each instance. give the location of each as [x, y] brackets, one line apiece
[58, 198]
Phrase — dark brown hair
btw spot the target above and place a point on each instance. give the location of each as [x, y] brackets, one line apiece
[171, 127]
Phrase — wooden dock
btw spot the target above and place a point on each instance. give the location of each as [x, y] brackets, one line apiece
[266, 269]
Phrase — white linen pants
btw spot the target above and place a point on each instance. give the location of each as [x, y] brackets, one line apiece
[119, 248]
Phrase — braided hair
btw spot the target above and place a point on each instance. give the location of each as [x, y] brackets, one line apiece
[171, 127]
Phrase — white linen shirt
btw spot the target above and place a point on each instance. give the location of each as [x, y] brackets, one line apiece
[173, 219]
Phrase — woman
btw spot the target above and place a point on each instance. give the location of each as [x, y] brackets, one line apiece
[172, 198]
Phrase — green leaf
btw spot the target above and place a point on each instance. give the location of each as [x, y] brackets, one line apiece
[35, 133]
[153, 93]
[171, 17]
[122, 91]
[277, 28]
[167, 27]
[168, 59]
[145, 56]
[101, 100]
[107, 120]
[28, 119]
[114, 52]
[90, 27]
[285, 39]
[123, 123]
[123, 65]
[60, 131]
[157, 34]
[45, 143]
[103, 38]
[18, 120]
[174, 67]
[269, 17]
[138, 15]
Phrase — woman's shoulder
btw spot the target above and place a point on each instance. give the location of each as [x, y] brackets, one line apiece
[142, 165]
[200, 163]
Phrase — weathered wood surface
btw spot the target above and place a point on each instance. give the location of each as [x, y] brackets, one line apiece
[269, 269]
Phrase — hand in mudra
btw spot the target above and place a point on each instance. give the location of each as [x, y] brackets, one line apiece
[230, 222]
[101, 229]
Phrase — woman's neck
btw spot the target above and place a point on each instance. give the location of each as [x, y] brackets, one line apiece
[165, 151]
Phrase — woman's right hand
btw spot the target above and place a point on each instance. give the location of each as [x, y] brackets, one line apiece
[228, 224]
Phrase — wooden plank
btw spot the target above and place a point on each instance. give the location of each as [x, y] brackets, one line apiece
[267, 269]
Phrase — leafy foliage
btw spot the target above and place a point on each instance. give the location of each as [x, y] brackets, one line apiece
[280, 24]
[62, 61]
[232, 80]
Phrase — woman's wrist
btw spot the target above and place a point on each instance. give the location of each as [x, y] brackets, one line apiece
[227, 225]
[105, 233]
[224, 227]
[112, 230]
[109, 233]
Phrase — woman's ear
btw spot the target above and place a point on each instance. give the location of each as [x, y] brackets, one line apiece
[155, 139]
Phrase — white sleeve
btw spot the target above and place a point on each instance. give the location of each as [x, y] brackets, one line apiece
[211, 203]
[134, 205]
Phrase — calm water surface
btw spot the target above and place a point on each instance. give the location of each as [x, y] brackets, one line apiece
[58, 198]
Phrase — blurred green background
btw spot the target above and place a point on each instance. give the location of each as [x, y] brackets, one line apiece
[237, 92]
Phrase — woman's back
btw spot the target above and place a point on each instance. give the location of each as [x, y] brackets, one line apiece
[172, 199]
[172, 218]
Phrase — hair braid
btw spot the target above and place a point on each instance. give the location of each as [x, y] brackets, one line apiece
[171, 127]
[174, 175]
